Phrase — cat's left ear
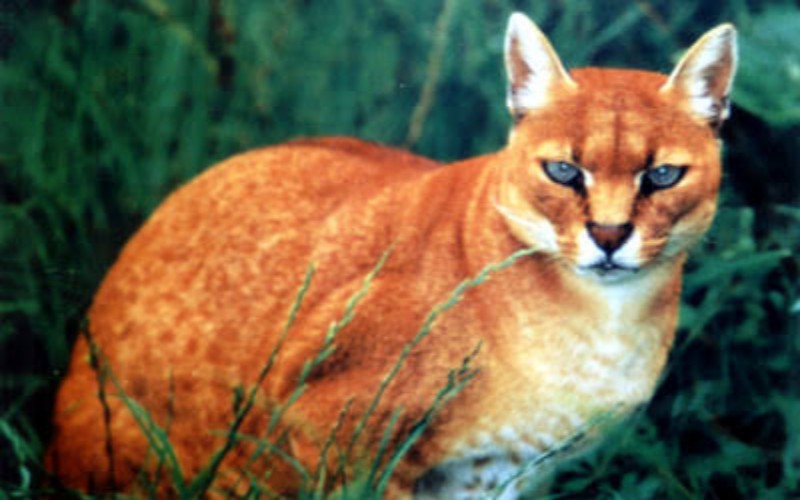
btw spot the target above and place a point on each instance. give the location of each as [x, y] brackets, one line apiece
[704, 76]
[535, 72]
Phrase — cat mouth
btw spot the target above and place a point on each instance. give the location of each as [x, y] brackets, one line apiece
[609, 269]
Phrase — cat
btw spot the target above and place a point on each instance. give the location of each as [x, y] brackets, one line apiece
[608, 178]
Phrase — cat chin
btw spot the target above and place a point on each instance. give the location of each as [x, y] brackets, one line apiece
[607, 273]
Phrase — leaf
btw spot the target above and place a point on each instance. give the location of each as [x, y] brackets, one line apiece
[749, 264]
[768, 80]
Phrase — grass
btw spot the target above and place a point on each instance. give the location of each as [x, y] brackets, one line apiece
[106, 106]
[378, 469]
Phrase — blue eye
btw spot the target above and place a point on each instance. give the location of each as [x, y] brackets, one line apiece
[661, 177]
[564, 173]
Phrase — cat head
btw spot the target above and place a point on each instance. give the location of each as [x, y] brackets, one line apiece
[612, 171]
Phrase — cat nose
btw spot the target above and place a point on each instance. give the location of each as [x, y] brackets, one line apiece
[609, 237]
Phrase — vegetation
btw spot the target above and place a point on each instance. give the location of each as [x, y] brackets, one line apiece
[108, 105]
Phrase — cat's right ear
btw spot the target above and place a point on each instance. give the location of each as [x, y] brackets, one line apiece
[704, 76]
[533, 67]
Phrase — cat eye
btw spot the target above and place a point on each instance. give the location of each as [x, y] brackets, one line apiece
[564, 173]
[661, 177]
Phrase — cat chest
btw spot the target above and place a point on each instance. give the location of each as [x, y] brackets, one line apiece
[499, 463]
[507, 452]
[542, 410]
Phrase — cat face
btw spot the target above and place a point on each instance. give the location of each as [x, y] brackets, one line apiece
[612, 171]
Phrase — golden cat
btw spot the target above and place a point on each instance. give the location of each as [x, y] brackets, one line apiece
[608, 178]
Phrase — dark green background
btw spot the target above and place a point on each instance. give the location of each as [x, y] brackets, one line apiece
[106, 106]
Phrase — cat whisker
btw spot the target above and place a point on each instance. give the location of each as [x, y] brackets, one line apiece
[539, 235]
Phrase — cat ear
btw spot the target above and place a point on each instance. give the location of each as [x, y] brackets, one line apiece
[704, 76]
[533, 67]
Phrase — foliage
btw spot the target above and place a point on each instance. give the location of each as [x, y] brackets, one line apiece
[106, 106]
[769, 82]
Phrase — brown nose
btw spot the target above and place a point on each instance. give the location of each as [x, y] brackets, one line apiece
[609, 237]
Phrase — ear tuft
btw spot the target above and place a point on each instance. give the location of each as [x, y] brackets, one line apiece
[533, 67]
[704, 76]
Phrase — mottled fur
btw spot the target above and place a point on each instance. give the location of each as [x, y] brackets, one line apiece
[196, 301]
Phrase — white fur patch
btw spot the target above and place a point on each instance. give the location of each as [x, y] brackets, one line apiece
[701, 97]
[706, 73]
[588, 251]
[590, 254]
[478, 476]
[526, 46]
[462, 480]
[588, 178]
[539, 234]
[629, 254]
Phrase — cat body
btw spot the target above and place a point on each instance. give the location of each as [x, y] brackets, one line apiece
[575, 331]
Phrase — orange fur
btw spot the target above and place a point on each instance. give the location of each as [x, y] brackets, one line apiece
[197, 299]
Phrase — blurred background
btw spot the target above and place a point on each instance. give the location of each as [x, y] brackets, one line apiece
[108, 105]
